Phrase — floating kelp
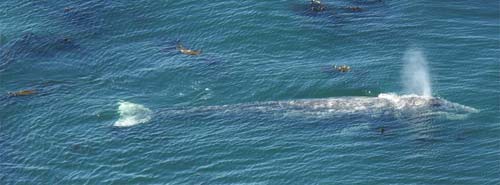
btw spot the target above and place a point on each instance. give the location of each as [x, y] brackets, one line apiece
[313, 8]
[317, 6]
[342, 68]
[354, 8]
[186, 51]
[22, 93]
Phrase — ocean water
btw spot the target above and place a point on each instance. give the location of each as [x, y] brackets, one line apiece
[116, 103]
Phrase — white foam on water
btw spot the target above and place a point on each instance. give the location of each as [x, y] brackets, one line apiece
[132, 114]
[406, 101]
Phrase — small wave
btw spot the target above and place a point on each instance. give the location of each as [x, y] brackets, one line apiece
[132, 114]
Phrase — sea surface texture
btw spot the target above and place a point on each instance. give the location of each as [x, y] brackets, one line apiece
[109, 99]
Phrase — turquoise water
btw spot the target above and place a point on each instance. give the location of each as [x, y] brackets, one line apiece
[117, 104]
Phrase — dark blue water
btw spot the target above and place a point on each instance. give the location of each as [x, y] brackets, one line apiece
[116, 103]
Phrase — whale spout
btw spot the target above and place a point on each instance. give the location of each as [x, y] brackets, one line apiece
[415, 73]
